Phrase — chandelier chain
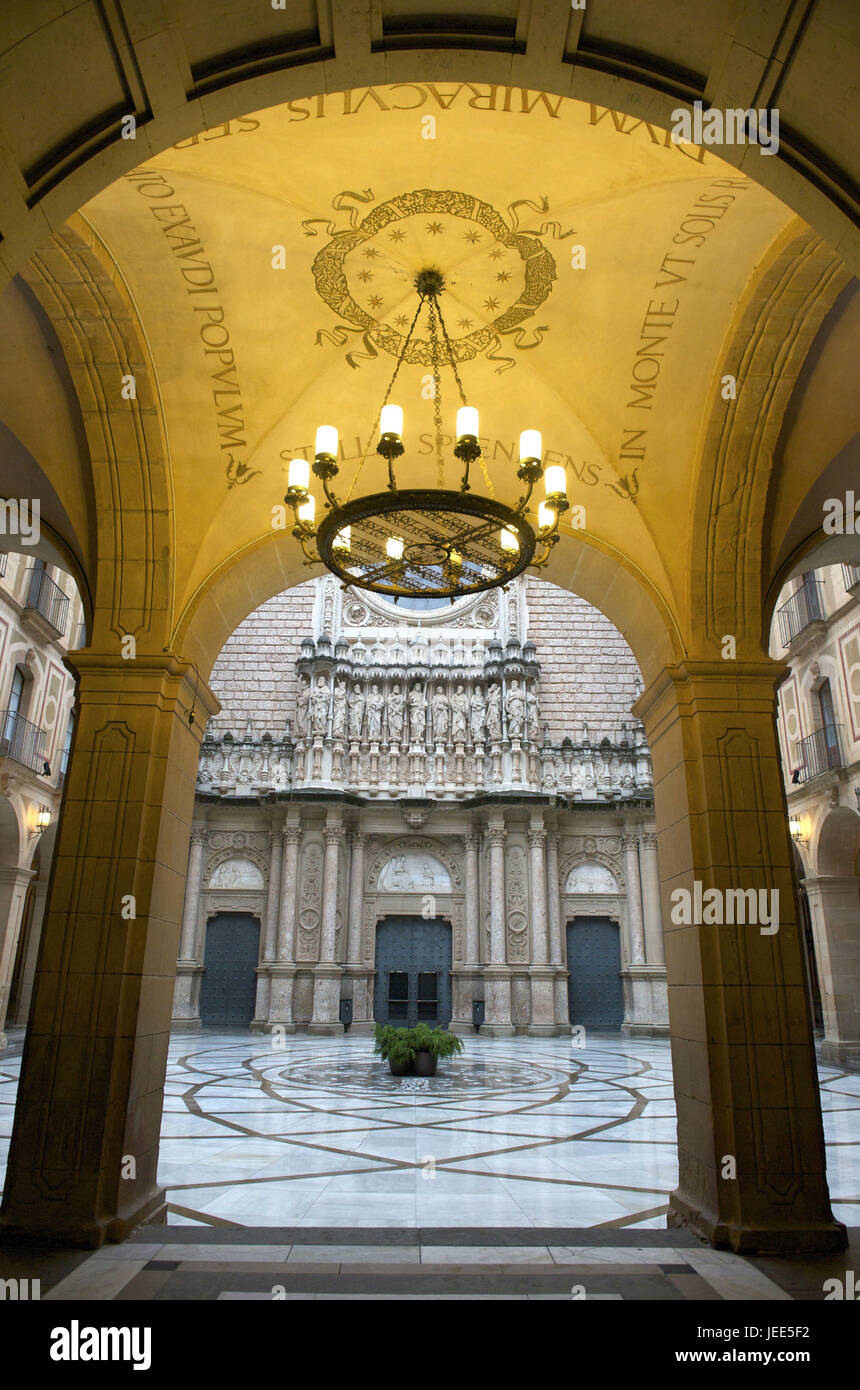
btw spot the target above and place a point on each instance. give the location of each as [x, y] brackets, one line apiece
[398, 364]
[437, 389]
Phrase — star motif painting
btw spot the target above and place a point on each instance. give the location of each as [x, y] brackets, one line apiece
[410, 227]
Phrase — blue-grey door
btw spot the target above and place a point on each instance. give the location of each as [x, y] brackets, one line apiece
[229, 987]
[413, 972]
[595, 995]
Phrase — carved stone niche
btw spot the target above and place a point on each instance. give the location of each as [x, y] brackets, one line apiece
[237, 867]
[414, 865]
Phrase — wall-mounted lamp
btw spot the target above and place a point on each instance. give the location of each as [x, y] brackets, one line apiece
[43, 818]
[795, 825]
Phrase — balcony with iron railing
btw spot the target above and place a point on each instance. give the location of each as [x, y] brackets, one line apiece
[804, 608]
[23, 742]
[851, 578]
[820, 751]
[46, 606]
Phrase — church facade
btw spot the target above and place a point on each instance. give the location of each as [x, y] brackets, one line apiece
[441, 815]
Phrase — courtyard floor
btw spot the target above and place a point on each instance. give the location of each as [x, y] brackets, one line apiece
[524, 1165]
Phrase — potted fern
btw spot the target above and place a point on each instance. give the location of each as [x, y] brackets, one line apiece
[430, 1044]
[395, 1047]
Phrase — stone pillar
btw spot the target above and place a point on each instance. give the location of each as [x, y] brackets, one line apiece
[497, 976]
[94, 1062]
[650, 872]
[540, 970]
[328, 973]
[185, 1015]
[269, 934]
[284, 969]
[39, 894]
[13, 895]
[834, 914]
[743, 1056]
[561, 1010]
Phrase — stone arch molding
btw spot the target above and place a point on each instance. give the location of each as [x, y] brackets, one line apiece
[591, 864]
[609, 862]
[238, 854]
[434, 849]
[185, 68]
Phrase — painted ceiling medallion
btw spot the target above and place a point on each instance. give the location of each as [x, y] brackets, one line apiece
[497, 273]
[426, 542]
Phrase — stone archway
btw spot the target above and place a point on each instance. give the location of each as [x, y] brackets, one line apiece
[833, 891]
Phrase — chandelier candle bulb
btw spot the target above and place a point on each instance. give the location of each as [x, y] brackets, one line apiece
[300, 474]
[555, 481]
[394, 547]
[509, 540]
[391, 420]
[343, 539]
[531, 445]
[326, 441]
[467, 422]
[546, 516]
[307, 511]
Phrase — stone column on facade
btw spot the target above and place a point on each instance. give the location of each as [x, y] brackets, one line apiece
[185, 1015]
[327, 974]
[362, 979]
[269, 933]
[650, 873]
[833, 913]
[635, 929]
[283, 970]
[471, 842]
[13, 895]
[95, 1055]
[745, 1072]
[561, 1010]
[540, 971]
[497, 975]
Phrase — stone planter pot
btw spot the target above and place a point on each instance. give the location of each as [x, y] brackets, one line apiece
[400, 1068]
[425, 1063]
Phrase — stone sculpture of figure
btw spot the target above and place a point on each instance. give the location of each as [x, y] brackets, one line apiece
[416, 715]
[494, 713]
[338, 718]
[440, 707]
[320, 701]
[533, 715]
[477, 714]
[302, 703]
[396, 707]
[515, 708]
[375, 706]
[356, 711]
[459, 714]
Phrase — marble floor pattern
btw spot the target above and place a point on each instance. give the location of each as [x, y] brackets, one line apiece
[515, 1133]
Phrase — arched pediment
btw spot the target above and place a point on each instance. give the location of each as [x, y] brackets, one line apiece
[228, 869]
[414, 865]
[595, 870]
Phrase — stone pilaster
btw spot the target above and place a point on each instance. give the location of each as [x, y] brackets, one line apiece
[357, 841]
[327, 974]
[630, 845]
[95, 1055]
[497, 976]
[745, 1076]
[471, 842]
[269, 934]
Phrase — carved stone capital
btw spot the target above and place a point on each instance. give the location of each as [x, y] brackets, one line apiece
[649, 840]
[292, 834]
[198, 835]
[537, 838]
[629, 842]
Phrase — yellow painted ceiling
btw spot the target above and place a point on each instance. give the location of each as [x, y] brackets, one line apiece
[615, 361]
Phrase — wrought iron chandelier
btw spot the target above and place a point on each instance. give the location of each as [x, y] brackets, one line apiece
[426, 542]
